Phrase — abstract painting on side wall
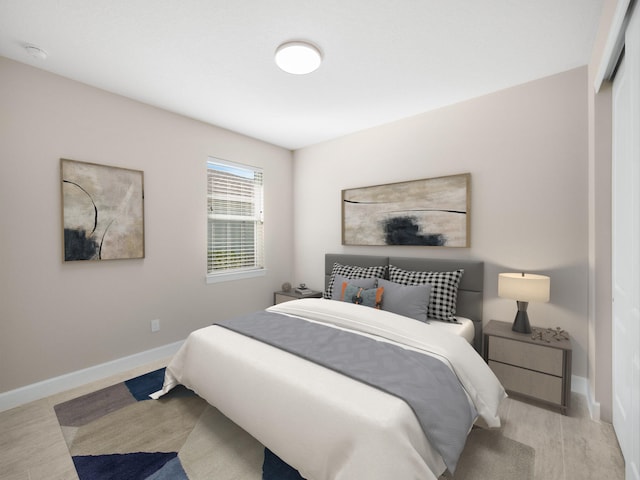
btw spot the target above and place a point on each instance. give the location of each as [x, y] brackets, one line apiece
[102, 211]
[429, 212]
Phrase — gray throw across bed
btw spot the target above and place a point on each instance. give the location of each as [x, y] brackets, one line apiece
[427, 384]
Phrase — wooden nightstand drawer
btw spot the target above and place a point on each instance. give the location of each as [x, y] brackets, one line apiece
[527, 382]
[534, 357]
[526, 365]
[280, 297]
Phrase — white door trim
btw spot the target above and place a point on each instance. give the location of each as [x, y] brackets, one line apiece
[626, 251]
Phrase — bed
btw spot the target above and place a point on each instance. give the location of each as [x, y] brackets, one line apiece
[327, 423]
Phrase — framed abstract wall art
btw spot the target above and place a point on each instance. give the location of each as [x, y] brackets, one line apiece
[428, 212]
[102, 211]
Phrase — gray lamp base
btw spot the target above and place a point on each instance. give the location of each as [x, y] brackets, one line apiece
[521, 322]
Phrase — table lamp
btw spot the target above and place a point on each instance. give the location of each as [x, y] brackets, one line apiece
[523, 288]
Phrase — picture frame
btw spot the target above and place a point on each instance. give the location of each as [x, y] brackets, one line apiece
[102, 212]
[427, 212]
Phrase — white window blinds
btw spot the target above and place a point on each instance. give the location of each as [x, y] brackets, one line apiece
[235, 217]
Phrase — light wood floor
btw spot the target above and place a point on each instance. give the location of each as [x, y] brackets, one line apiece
[567, 447]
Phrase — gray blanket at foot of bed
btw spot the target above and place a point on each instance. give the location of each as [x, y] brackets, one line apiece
[428, 386]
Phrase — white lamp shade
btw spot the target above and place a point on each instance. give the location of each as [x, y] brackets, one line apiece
[298, 58]
[524, 287]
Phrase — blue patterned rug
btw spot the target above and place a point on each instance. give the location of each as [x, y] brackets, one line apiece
[118, 433]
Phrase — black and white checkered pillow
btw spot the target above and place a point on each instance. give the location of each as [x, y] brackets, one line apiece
[353, 271]
[444, 289]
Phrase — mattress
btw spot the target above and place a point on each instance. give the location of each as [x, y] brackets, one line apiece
[464, 328]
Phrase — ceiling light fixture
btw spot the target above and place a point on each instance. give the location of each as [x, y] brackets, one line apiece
[298, 57]
[36, 52]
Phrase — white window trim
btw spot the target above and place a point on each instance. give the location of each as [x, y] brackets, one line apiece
[240, 275]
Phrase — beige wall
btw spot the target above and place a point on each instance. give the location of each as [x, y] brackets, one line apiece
[57, 318]
[535, 202]
[527, 151]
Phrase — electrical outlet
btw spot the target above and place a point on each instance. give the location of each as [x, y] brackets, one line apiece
[155, 325]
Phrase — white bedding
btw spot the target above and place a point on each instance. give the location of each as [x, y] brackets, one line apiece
[324, 424]
[464, 328]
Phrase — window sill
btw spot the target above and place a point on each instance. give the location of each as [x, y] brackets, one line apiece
[229, 277]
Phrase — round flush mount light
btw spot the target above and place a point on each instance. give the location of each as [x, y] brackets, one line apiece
[298, 57]
[36, 52]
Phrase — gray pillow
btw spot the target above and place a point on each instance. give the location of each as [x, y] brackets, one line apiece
[336, 293]
[408, 300]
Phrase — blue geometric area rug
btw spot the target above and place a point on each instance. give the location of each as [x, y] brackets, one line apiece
[118, 433]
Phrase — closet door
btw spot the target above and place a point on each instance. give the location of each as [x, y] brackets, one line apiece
[626, 251]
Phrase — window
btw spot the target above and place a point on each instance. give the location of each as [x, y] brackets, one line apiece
[235, 221]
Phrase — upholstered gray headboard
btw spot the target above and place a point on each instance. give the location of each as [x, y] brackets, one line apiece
[470, 290]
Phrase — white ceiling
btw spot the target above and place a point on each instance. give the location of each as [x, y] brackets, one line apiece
[212, 60]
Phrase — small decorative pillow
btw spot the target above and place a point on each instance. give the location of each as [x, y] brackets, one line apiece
[408, 300]
[352, 271]
[336, 294]
[444, 289]
[371, 297]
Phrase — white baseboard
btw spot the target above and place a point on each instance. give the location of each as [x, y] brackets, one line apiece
[594, 406]
[581, 385]
[36, 391]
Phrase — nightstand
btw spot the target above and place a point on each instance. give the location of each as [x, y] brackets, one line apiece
[536, 369]
[279, 297]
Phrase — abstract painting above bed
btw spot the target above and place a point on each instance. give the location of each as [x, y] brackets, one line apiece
[427, 212]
